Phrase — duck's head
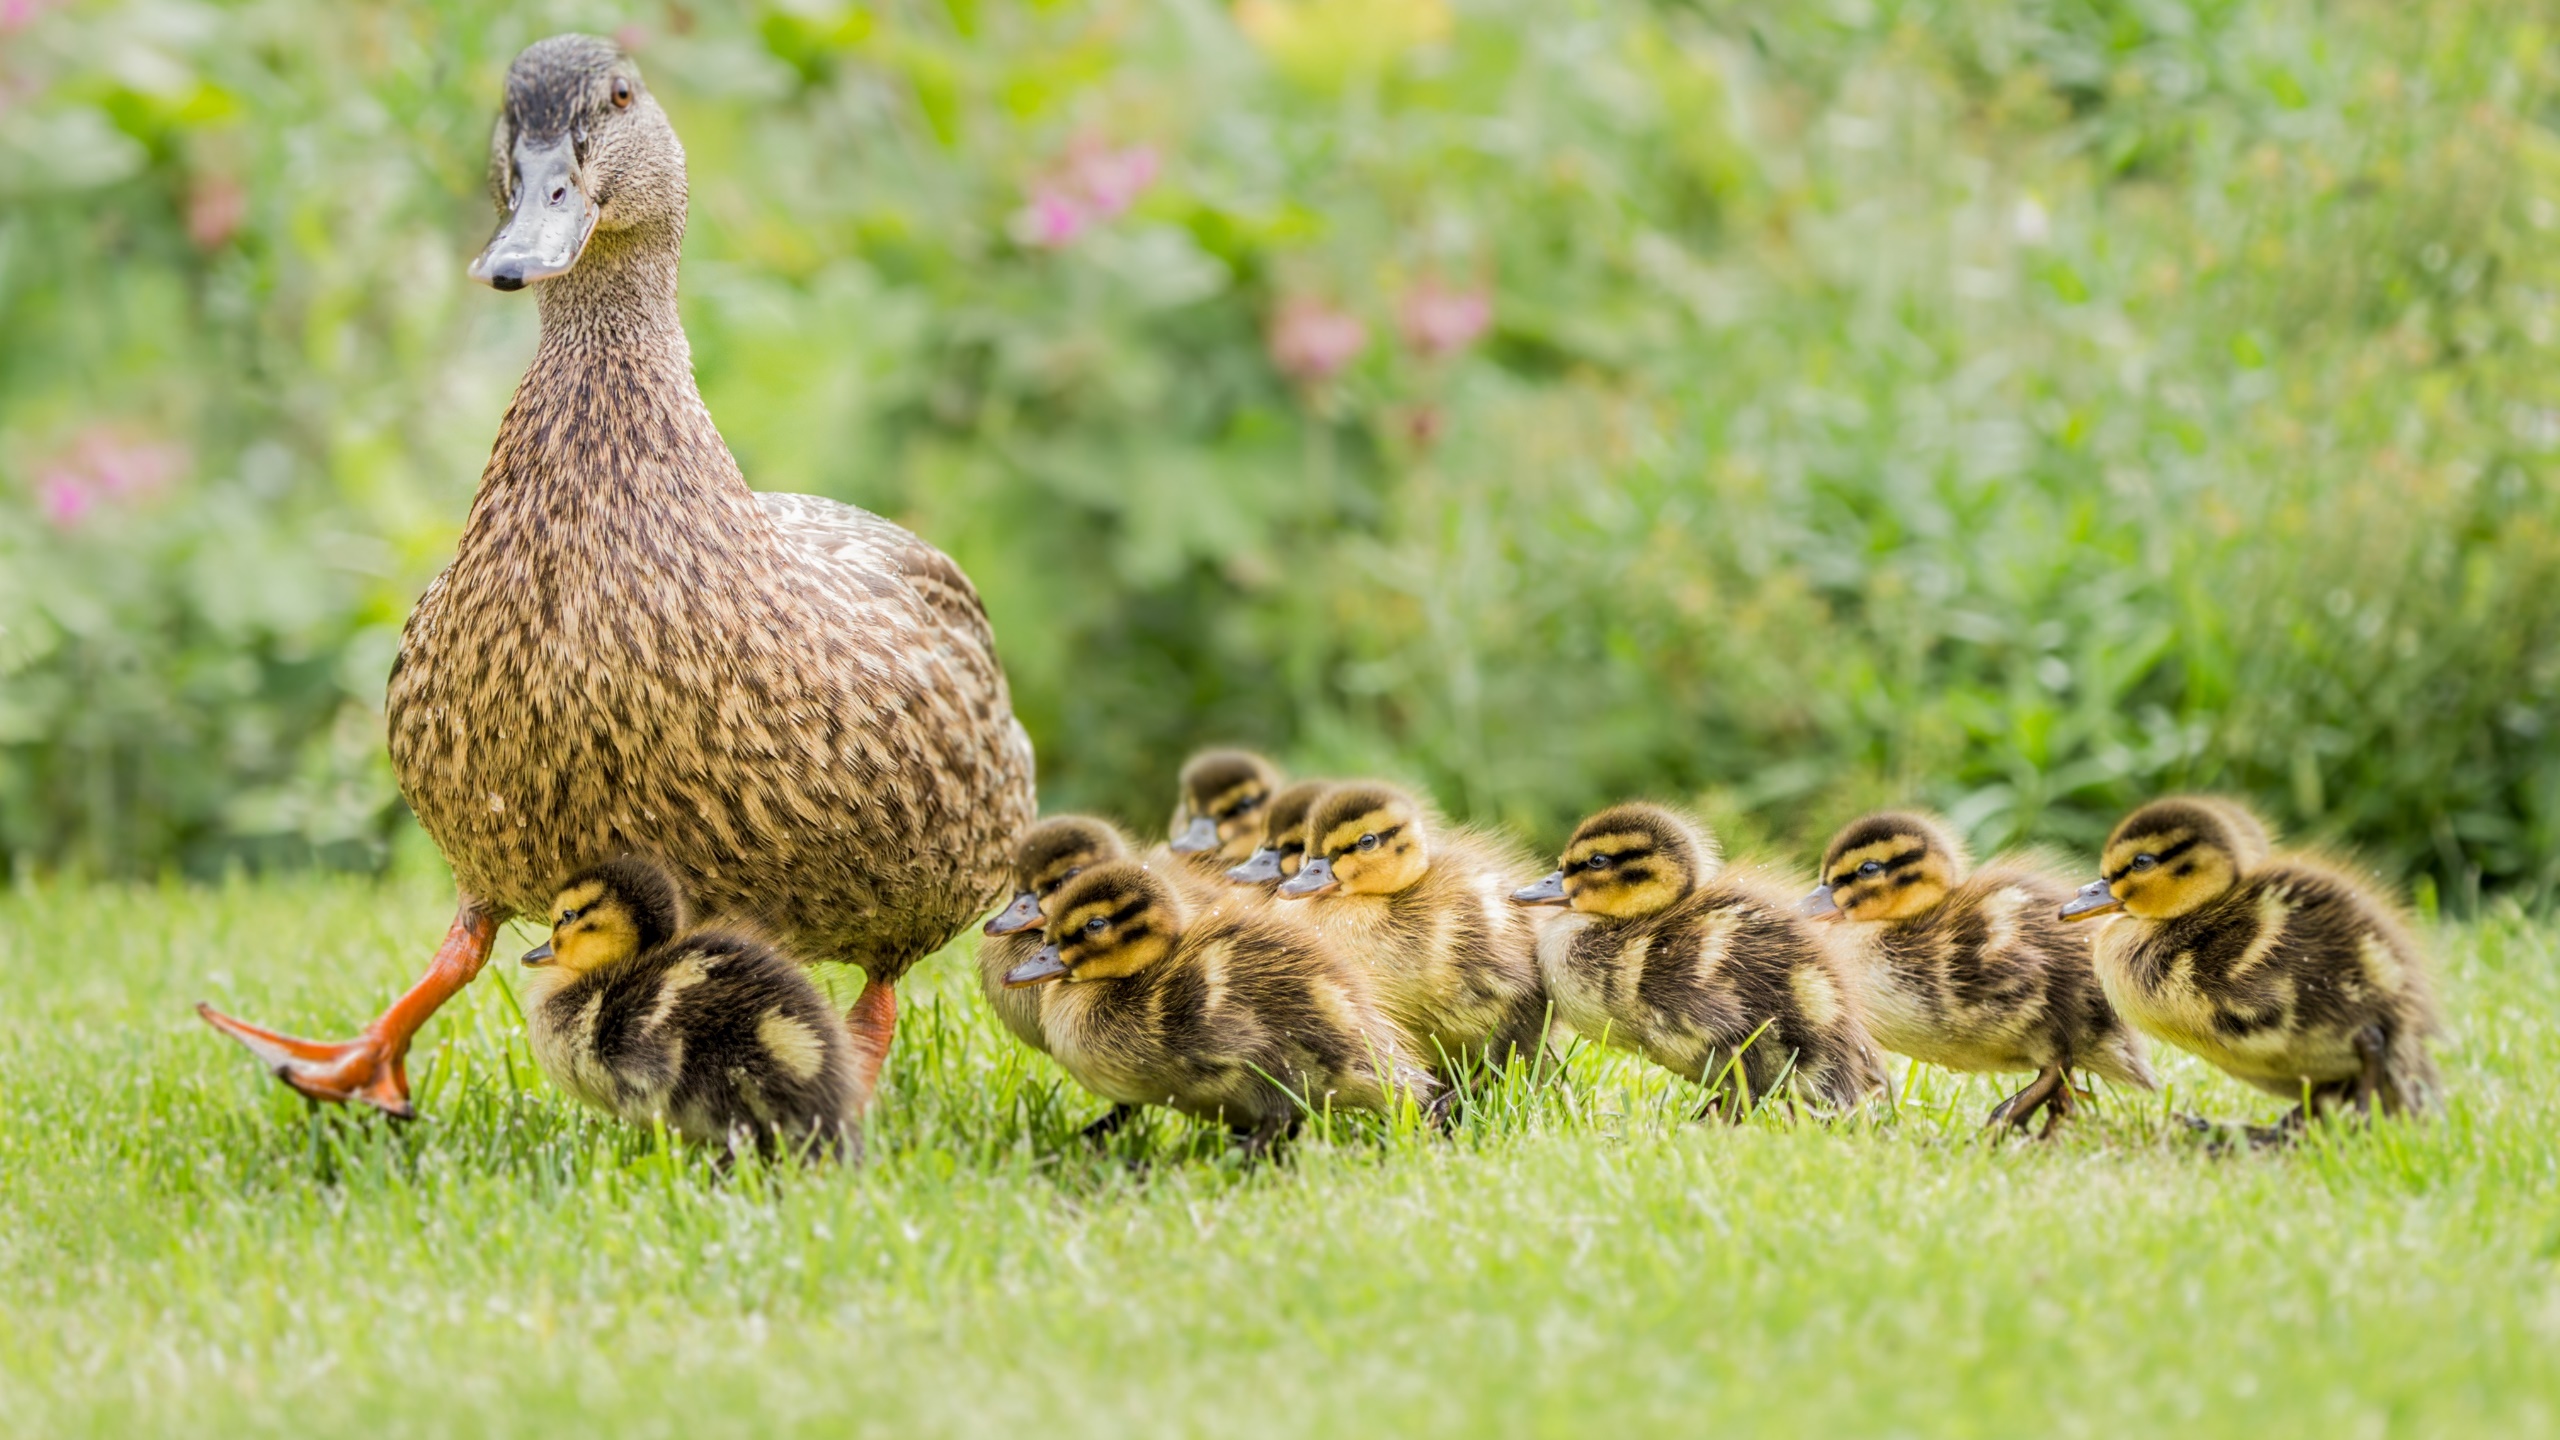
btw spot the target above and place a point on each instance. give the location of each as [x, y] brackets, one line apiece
[1224, 793]
[1627, 862]
[608, 913]
[1888, 866]
[1284, 837]
[1048, 855]
[1364, 838]
[581, 148]
[2171, 856]
[1115, 919]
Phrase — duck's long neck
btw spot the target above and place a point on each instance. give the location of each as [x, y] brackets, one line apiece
[608, 422]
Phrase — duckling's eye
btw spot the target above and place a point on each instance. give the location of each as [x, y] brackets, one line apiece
[1872, 869]
[568, 915]
[1096, 925]
[1596, 862]
[1368, 842]
[621, 93]
[2145, 861]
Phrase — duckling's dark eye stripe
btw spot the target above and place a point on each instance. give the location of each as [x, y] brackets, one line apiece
[2162, 857]
[1126, 913]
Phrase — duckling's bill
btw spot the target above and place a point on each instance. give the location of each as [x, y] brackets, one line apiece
[1040, 969]
[1023, 914]
[2095, 898]
[1262, 867]
[1819, 905]
[539, 955]
[1313, 878]
[1549, 891]
[1198, 837]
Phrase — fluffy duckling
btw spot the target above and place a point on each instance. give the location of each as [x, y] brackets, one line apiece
[1047, 856]
[714, 1032]
[1228, 1016]
[1284, 836]
[2283, 971]
[1424, 906]
[1705, 972]
[1972, 971]
[1217, 819]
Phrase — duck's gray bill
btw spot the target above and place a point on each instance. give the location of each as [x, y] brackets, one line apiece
[1819, 905]
[1313, 878]
[539, 954]
[2095, 898]
[551, 223]
[1040, 969]
[1262, 867]
[1023, 914]
[1198, 837]
[1549, 891]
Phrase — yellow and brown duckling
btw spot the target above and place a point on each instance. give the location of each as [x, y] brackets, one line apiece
[1284, 836]
[2283, 971]
[1217, 818]
[1707, 973]
[1971, 969]
[1424, 905]
[715, 1033]
[1224, 1015]
[1047, 856]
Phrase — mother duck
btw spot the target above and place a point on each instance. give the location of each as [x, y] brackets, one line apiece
[793, 702]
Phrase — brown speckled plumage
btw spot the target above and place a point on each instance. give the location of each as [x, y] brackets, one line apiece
[795, 702]
[1708, 973]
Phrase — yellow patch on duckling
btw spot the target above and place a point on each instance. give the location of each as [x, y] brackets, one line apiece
[1816, 996]
[792, 1045]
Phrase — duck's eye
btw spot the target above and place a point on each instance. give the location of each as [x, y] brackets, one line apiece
[1872, 868]
[2145, 861]
[1596, 862]
[1368, 842]
[621, 93]
[568, 915]
[1096, 925]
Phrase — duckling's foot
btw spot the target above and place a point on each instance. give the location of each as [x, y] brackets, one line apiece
[373, 1067]
[874, 1023]
[2050, 1092]
[1110, 1123]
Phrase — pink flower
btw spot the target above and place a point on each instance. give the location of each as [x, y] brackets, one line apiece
[64, 499]
[103, 466]
[632, 38]
[1438, 321]
[1092, 184]
[16, 15]
[215, 208]
[1311, 341]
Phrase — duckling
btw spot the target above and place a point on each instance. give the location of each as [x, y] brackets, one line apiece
[1971, 971]
[1217, 818]
[1284, 836]
[714, 1032]
[1223, 1015]
[1423, 905]
[1048, 855]
[1707, 973]
[2283, 971]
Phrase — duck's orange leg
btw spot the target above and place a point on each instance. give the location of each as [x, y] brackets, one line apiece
[874, 1023]
[373, 1067]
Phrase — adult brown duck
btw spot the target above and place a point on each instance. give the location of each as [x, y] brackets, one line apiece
[794, 703]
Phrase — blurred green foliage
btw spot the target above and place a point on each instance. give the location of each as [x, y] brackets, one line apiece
[2017, 407]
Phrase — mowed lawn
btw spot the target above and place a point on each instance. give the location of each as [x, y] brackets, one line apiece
[184, 1247]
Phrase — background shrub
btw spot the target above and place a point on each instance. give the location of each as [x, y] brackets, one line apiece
[2015, 407]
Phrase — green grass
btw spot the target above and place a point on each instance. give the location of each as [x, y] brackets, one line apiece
[185, 1248]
